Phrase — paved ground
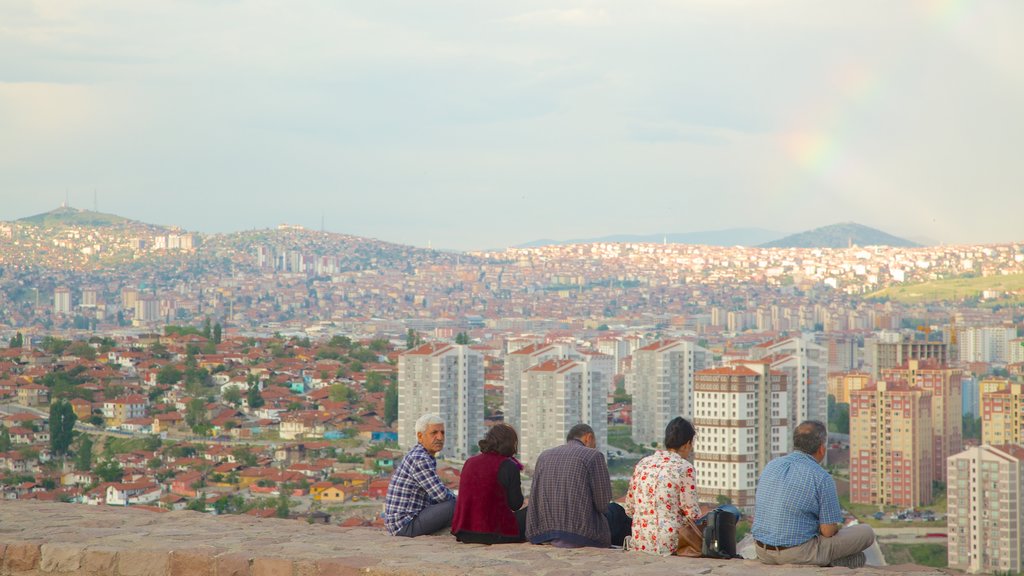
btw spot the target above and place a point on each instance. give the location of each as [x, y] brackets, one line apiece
[45, 538]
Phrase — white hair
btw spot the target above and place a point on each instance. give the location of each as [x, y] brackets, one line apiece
[428, 420]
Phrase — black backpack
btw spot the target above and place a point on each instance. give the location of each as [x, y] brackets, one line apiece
[720, 534]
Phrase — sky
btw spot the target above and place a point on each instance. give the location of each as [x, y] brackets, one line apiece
[471, 125]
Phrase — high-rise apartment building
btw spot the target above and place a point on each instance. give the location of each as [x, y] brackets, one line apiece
[841, 384]
[147, 309]
[985, 508]
[661, 380]
[1015, 354]
[740, 412]
[892, 350]
[516, 363]
[891, 445]
[986, 343]
[62, 300]
[945, 385]
[556, 397]
[805, 365]
[1002, 411]
[446, 379]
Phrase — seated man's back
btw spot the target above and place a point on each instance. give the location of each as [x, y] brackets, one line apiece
[569, 496]
[797, 517]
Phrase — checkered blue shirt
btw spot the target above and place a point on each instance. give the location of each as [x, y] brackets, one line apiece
[794, 496]
[414, 485]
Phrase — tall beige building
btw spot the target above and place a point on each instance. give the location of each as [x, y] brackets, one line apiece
[740, 412]
[841, 384]
[892, 350]
[62, 300]
[516, 364]
[946, 386]
[985, 508]
[1002, 411]
[805, 364]
[662, 384]
[446, 379]
[891, 445]
[556, 397]
[597, 372]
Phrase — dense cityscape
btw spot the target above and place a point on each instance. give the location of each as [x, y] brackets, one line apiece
[280, 372]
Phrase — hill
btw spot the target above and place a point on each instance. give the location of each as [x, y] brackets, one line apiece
[1009, 286]
[729, 237]
[840, 236]
[67, 216]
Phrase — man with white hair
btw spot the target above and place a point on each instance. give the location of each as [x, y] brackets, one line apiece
[417, 502]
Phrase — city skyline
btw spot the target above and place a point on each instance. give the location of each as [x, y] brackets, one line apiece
[489, 126]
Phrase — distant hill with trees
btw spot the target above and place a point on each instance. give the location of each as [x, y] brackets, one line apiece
[840, 235]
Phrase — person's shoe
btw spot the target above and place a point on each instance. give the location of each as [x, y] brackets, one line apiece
[855, 561]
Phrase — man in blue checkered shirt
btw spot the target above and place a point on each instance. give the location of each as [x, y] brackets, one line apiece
[797, 518]
[417, 502]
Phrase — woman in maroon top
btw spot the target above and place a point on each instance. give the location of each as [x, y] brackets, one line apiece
[487, 510]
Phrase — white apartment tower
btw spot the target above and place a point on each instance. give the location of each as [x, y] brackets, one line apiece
[805, 364]
[447, 379]
[661, 381]
[986, 343]
[740, 412]
[516, 363]
[556, 397]
[985, 507]
[62, 300]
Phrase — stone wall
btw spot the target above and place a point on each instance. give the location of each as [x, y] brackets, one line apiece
[71, 539]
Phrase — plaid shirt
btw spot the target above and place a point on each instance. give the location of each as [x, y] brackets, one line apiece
[569, 496]
[795, 495]
[414, 485]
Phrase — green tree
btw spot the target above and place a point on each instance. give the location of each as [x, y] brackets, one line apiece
[169, 374]
[109, 471]
[342, 393]
[195, 415]
[379, 345]
[17, 341]
[244, 455]
[199, 504]
[62, 426]
[158, 350]
[462, 338]
[82, 350]
[83, 459]
[283, 503]
[391, 404]
[374, 382]
[838, 416]
[253, 396]
[232, 396]
[207, 330]
[54, 345]
[217, 333]
[5, 439]
[412, 339]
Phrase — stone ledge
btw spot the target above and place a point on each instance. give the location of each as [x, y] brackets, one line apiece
[39, 538]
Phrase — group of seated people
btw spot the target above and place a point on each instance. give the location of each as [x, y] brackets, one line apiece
[797, 516]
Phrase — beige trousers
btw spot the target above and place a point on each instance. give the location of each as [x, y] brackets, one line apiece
[821, 551]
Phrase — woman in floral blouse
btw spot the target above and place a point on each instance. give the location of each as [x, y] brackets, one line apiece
[663, 492]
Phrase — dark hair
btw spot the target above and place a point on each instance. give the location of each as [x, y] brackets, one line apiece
[678, 433]
[578, 431]
[501, 438]
[809, 436]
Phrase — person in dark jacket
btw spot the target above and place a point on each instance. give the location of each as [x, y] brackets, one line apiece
[489, 508]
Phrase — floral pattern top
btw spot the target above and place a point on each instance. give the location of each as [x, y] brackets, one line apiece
[661, 494]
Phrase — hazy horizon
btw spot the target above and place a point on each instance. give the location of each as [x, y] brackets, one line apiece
[472, 126]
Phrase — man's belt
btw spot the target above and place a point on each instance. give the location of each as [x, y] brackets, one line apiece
[770, 547]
